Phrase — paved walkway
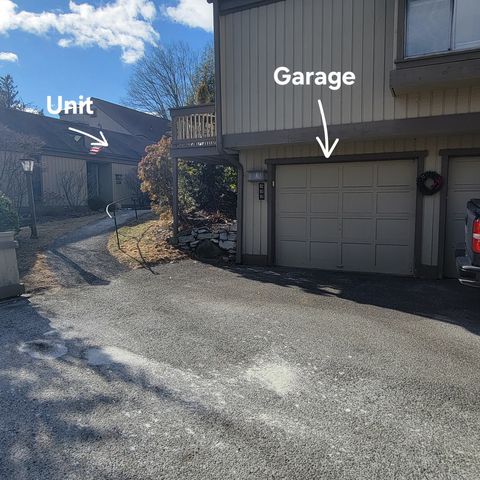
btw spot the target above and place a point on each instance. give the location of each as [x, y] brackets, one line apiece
[81, 257]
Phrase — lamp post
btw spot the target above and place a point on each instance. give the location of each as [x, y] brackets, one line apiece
[28, 165]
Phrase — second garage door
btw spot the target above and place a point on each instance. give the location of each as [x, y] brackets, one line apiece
[463, 185]
[347, 216]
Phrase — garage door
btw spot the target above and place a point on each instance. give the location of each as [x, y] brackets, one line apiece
[463, 185]
[347, 216]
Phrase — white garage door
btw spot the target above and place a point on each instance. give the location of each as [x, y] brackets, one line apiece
[347, 216]
[463, 185]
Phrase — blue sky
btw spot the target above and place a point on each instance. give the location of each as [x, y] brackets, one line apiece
[81, 67]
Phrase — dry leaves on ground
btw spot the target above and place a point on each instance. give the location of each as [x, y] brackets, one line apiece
[32, 265]
[144, 245]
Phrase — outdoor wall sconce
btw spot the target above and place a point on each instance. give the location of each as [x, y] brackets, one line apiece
[27, 165]
[257, 176]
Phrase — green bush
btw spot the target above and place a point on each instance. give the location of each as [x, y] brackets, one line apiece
[8, 215]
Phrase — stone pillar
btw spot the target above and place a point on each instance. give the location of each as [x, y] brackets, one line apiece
[10, 285]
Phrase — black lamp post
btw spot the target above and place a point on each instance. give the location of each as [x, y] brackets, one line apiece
[28, 165]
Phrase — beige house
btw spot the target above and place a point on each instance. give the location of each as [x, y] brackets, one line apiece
[68, 172]
[414, 107]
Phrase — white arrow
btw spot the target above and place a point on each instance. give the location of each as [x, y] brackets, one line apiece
[99, 142]
[327, 151]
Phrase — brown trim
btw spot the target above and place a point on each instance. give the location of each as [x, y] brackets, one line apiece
[271, 175]
[438, 58]
[87, 157]
[419, 269]
[447, 155]
[260, 260]
[363, 157]
[411, 78]
[232, 6]
[401, 26]
[192, 110]
[408, 127]
[203, 154]
[9, 291]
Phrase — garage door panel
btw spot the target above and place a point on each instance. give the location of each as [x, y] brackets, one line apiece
[292, 176]
[324, 203]
[357, 175]
[358, 257]
[358, 230]
[349, 216]
[394, 174]
[324, 176]
[292, 253]
[290, 202]
[359, 203]
[394, 258]
[324, 230]
[324, 255]
[393, 231]
[395, 202]
[464, 172]
[457, 201]
[292, 228]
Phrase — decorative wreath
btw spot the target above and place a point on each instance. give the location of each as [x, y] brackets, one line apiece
[429, 183]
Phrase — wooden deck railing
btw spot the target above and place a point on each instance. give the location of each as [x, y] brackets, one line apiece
[193, 127]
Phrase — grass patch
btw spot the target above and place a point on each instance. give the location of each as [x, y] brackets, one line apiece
[145, 244]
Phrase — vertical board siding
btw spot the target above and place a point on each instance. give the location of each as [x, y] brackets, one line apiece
[53, 168]
[123, 190]
[255, 228]
[313, 35]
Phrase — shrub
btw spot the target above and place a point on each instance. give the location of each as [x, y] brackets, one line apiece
[8, 215]
[96, 203]
[155, 173]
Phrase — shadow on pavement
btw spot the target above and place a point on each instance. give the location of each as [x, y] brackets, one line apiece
[48, 407]
[443, 300]
[39, 405]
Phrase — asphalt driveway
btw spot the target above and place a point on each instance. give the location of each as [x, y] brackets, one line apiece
[208, 373]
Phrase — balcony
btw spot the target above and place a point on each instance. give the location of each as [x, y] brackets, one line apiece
[193, 131]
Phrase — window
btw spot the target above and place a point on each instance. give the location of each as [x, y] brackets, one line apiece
[438, 26]
[118, 178]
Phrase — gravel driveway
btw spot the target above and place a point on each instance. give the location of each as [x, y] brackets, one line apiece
[199, 372]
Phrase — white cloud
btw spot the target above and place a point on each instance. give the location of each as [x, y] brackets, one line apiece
[126, 24]
[193, 13]
[8, 57]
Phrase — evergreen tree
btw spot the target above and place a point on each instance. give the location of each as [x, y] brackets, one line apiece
[9, 94]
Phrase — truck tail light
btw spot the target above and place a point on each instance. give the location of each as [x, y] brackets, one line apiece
[476, 236]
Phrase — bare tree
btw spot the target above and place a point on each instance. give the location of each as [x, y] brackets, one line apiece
[14, 146]
[167, 77]
[73, 185]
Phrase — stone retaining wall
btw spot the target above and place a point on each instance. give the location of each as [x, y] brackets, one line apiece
[209, 242]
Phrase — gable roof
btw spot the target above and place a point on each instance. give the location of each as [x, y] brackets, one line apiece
[137, 123]
[60, 141]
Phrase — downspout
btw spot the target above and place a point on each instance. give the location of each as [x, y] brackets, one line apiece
[232, 156]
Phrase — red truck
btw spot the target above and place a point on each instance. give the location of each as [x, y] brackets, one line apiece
[468, 266]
